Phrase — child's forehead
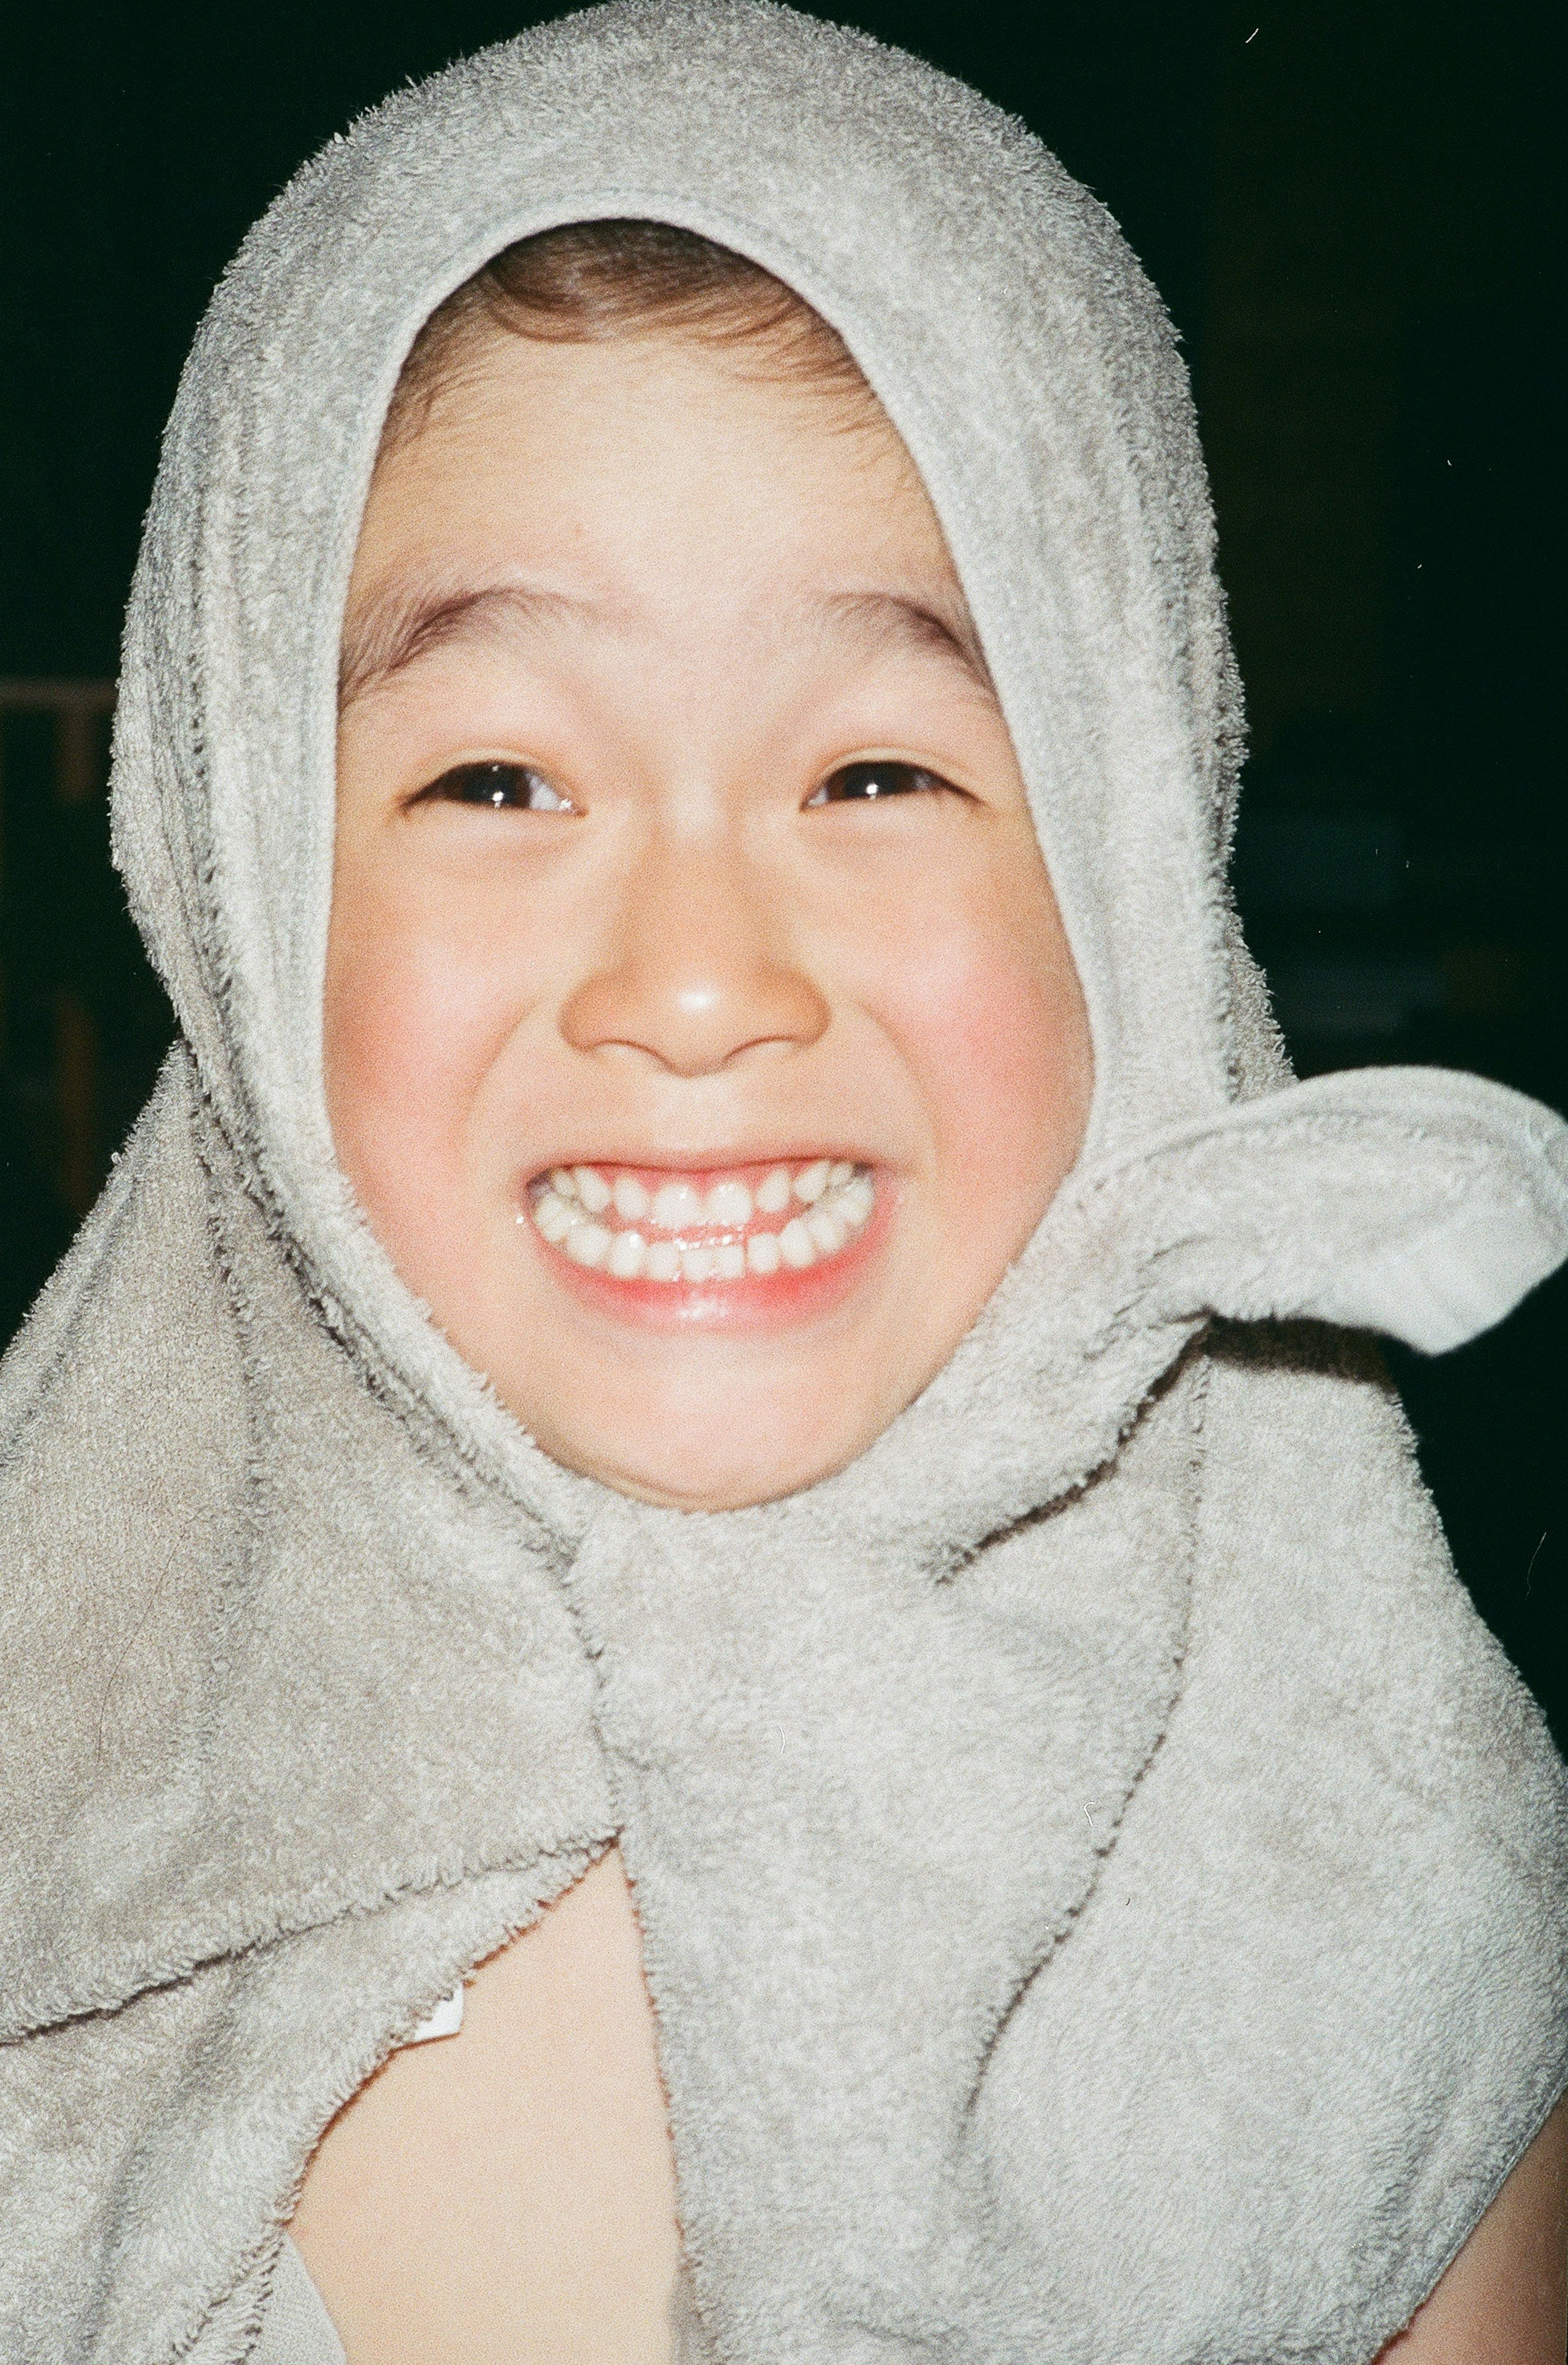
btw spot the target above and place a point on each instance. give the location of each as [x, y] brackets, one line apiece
[558, 492]
[663, 418]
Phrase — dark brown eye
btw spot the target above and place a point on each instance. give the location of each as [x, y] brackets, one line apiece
[861, 783]
[504, 788]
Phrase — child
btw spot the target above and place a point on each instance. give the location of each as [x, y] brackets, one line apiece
[698, 1439]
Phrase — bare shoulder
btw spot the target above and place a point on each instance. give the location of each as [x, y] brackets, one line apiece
[1504, 2300]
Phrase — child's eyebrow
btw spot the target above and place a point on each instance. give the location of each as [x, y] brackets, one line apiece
[404, 623]
[894, 620]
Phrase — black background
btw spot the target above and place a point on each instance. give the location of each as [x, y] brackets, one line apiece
[1354, 212]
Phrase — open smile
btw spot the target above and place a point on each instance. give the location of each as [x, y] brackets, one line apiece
[719, 1245]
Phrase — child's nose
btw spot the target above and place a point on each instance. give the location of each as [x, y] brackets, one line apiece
[696, 976]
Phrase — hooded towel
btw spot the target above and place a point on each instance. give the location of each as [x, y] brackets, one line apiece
[1103, 1889]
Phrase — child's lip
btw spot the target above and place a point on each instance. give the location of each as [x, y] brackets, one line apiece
[708, 1245]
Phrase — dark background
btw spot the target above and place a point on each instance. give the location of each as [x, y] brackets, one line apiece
[1351, 209]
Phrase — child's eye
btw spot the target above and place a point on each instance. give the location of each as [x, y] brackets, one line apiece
[504, 788]
[859, 783]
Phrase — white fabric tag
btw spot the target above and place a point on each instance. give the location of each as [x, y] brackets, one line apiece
[444, 2021]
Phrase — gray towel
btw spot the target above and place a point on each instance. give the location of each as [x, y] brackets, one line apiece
[1103, 1893]
[296, 2329]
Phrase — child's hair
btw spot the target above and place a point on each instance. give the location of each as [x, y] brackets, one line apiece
[588, 282]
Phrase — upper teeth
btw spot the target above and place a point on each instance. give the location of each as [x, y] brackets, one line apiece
[832, 1197]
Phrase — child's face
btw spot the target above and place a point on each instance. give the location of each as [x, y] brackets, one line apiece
[635, 638]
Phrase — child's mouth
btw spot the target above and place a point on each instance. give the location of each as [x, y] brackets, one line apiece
[713, 1229]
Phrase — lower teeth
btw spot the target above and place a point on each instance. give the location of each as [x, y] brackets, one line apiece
[839, 1207]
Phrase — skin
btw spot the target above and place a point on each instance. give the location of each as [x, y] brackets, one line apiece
[1503, 2300]
[507, 2196]
[723, 591]
[716, 592]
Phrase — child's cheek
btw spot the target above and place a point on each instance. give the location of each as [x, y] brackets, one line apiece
[414, 1022]
[991, 1024]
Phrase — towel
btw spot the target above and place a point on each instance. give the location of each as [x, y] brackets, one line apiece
[1105, 1895]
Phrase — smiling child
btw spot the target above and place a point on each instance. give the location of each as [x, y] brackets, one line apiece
[660, 691]
[717, 1647]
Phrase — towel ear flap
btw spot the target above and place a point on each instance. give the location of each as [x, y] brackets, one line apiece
[1444, 1285]
[1409, 1201]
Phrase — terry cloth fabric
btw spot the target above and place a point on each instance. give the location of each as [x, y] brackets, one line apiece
[296, 2329]
[1103, 1891]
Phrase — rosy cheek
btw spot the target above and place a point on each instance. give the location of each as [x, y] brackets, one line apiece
[995, 1027]
[413, 1022]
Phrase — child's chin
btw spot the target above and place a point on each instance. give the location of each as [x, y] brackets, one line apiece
[702, 1474]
